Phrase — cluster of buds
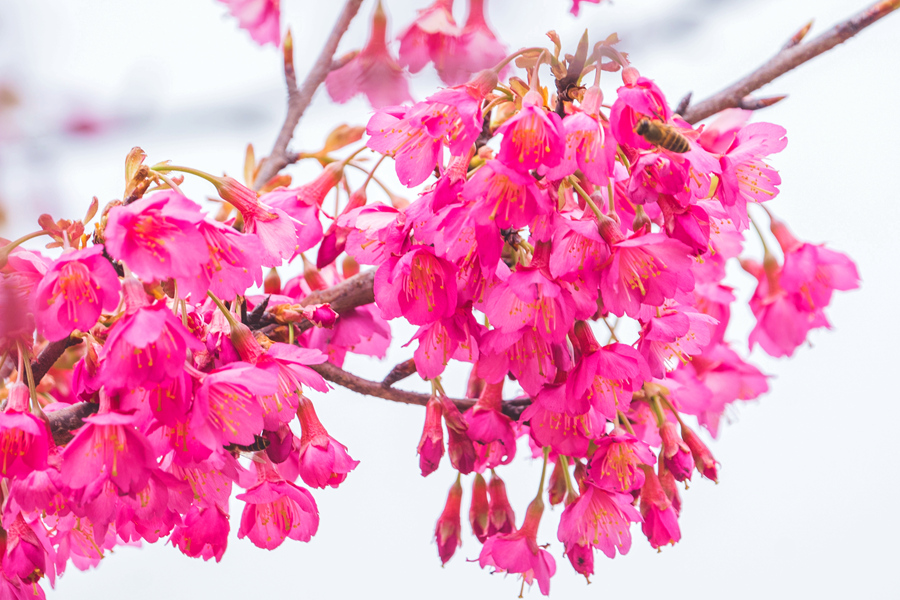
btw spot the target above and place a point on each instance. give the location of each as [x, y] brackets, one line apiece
[555, 220]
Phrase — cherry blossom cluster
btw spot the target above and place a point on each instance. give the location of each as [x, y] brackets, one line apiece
[586, 264]
[577, 265]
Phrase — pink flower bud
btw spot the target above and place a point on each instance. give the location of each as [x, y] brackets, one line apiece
[448, 529]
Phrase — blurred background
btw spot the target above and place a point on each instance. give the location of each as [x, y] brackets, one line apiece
[806, 471]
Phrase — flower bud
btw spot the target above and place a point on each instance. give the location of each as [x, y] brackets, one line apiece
[448, 529]
[478, 513]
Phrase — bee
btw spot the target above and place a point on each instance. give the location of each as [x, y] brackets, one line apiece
[662, 135]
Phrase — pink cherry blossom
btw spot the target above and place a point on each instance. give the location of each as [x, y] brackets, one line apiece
[431, 444]
[77, 287]
[448, 529]
[275, 510]
[323, 460]
[418, 286]
[259, 17]
[490, 429]
[589, 143]
[372, 72]
[432, 36]
[24, 439]
[226, 406]
[533, 137]
[147, 346]
[108, 448]
[600, 518]
[476, 48]
[504, 196]
[157, 237]
[518, 552]
[204, 533]
[616, 464]
[501, 518]
[479, 512]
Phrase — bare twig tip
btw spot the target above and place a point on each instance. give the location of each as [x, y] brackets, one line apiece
[798, 37]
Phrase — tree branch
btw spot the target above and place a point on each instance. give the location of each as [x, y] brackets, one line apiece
[300, 98]
[788, 58]
[66, 420]
[334, 374]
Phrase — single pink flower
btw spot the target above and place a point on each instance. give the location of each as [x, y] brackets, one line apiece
[431, 444]
[276, 509]
[226, 405]
[676, 454]
[476, 48]
[745, 176]
[16, 314]
[518, 552]
[605, 378]
[660, 516]
[600, 518]
[529, 356]
[77, 287]
[323, 460]
[449, 528]
[25, 557]
[616, 463]
[589, 143]
[431, 36]
[671, 334]
[811, 271]
[147, 346]
[533, 137]
[565, 434]
[782, 322]
[460, 448]
[638, 98]
[204, 533]
[303, 204]
[290, 363]
[504, 196]
[373, 71]
[276, 230]
[501, 518]
[479, 511]
[644, 270]
[456, 337]
[259, 17]
[490, 429]
[24, 439]
[157, 237]
[235, 263]
[418, 286]
[108, 448]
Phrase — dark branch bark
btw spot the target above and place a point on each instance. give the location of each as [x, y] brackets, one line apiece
[49, 355]
[512, 408]
[400, 372]
[788, 58]
[300, 98]
[66, 420]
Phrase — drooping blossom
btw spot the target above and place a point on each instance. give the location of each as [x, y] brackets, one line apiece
[259, 17]
[77, 287]
[518, 552]
[204, 533]
[616, 463]
[276, 509]
[323, 460]
[589, 144]
[479, 511]
[372, 72]
[600, 518]
[226, 406]
[431, 444]
[108, 448]
[675, 452]
[25, 557]
[660, 516]
[147, 346]
[430, 37]
[235, 263]
[476, 48]
[505, 196]
[501, 518]
[449, 527]
[490, 429]
[24, 439]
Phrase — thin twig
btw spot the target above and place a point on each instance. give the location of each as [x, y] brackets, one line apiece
[787, 59]
[512, 408]
[399, 372]
[300, 98]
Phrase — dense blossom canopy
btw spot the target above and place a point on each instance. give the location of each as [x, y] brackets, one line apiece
[576, 264]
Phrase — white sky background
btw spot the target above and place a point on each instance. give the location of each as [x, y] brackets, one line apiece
[805, 504]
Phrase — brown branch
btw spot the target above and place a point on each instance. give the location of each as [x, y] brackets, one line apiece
[350, 293]
[511, 408]
[66, 420]
[788, 58]
[49, 355]
[300, 98]
[400, 372]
